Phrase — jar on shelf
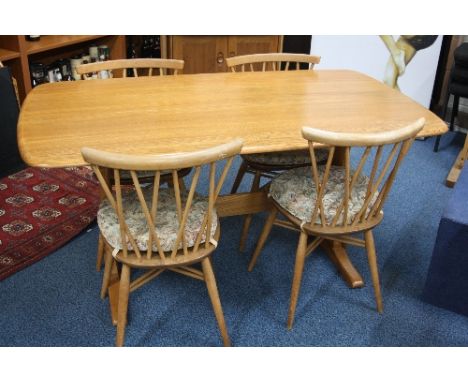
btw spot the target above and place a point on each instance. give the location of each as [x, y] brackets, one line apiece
[38, 75]
[74, 62]
[65, 69]
[93, 53]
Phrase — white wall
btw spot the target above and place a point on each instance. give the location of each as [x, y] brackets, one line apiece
[369, 55]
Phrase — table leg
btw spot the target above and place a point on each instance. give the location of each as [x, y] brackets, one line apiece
[337, 254]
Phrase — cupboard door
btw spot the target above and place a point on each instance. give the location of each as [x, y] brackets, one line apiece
[202, 54]
[240, 45]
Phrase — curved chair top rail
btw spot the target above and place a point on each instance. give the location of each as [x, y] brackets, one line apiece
[264, 58]
[131, 63]
[181, 250]
[161, 162]
[362, 139]
[383, 169]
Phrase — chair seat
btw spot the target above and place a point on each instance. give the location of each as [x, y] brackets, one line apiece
[295, 191]
[167, 223]
[285, 158]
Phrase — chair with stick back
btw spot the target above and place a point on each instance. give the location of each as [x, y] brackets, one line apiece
[270, 164]
[137, 67]
[160, 228]
[336, 203]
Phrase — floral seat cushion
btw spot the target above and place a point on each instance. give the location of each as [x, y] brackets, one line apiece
[295, 191]
[286, 158]
[167, 222]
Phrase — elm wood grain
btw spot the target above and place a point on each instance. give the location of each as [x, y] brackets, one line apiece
[190, 112]
[242, 204]
[337, 254]
[267, 110]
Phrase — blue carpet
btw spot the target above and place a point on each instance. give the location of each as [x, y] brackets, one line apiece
[55, 302]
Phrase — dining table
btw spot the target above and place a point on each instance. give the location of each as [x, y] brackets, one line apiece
[184, 113]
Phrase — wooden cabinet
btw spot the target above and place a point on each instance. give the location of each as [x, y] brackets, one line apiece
[207, 54]
[17, 53]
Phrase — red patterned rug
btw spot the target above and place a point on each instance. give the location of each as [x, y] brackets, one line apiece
[40, 210]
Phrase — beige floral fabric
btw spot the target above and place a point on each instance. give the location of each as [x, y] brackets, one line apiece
[167, 222]
[285, 158]
[295, 191]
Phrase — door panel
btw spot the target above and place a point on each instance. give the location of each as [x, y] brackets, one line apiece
[240, 45]
[202, 54]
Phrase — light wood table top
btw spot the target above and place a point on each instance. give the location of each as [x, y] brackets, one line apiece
[151, 115]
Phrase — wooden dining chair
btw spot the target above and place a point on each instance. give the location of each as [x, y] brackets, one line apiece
[150, 66]
[337, 202]
[147, 66]
[269, 164]
[160, 228]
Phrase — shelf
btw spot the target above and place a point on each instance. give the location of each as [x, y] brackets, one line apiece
[53, 42]
[18, 53]
[6, 54]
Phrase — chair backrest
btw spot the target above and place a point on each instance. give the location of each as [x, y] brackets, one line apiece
[390, 149]
[156, 66]
[101, 161]
[271, 61]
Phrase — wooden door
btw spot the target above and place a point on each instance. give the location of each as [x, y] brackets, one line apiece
[202, 54]
[240, 45]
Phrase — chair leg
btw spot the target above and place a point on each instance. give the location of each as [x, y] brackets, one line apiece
[372, 258]
[248, 218]
[298, 269]
[239, 177]
[263, 237]
[109, 260]
[124, 291]
[100, 252]
[214, 297]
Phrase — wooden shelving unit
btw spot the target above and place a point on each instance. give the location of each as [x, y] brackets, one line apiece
[53, 42]
[6, 54]
[17, 53]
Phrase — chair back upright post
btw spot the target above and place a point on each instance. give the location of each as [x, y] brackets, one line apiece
[383, 169]
[117, 163]
[271, 62]
[155, 66]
